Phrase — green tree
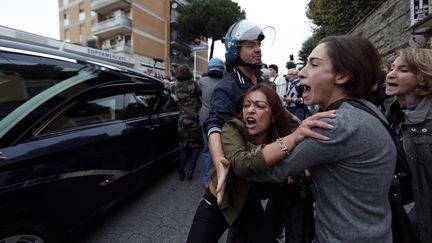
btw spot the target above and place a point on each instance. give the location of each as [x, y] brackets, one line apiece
[208, 19]
[331, 17]
[307, 48]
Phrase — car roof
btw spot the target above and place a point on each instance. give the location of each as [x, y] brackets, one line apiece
[15, 46]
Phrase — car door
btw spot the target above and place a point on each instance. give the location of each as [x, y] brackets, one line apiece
[77, 165]
[143, 117]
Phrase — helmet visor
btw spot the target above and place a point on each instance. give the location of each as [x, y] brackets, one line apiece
[246, 30]
[263, 38]
[270, 34]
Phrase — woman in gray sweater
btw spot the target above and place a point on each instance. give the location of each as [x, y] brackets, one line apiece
[352, 170]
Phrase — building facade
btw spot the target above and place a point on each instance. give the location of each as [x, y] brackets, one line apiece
[145, 31]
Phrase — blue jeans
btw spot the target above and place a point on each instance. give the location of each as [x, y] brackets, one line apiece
[207, 162]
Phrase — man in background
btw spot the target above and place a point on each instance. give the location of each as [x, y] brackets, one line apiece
[293, 98]
[278, 80]
[207, 84]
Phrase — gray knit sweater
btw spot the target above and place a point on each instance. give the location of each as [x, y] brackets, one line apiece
[352, 173]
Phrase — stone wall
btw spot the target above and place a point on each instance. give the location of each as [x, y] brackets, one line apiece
[387, 27]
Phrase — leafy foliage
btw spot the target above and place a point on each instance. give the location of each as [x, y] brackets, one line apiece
[331, 17]
[307, 48]
[208, 19]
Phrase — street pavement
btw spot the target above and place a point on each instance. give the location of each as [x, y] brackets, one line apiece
[161, 212]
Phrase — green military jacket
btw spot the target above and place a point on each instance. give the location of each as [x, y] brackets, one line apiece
[189, 130]
[246, 158]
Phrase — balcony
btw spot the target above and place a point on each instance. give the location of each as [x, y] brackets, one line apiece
[111, 27]
[104, 7]
[173, 17]
[120, 48]
[181, 3]
[178, 43]
[176, 60]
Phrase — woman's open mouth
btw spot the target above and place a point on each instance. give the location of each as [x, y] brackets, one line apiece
[390, 84]
[250, 122]
[306, 91]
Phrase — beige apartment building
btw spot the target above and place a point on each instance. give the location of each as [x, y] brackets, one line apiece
[144, 31]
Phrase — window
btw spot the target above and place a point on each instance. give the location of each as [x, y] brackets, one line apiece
[168, 102]
[113, 42]
[165, 102]
[135, 106]
[66, 18]
[81, 8]
[149, 104]
[67, 35]
[128, 40]
[22, 77]
[82, 29]
[81, 12]
[65, 14]
[90, 112]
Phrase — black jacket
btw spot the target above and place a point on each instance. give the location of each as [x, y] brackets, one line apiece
[417, 143]
[227, 99]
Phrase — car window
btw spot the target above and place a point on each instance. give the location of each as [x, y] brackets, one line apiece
[143, 104]
[24, 76]
[149, 102]
[95, 111]
[135, 107]
[160, 103]
[168, 102]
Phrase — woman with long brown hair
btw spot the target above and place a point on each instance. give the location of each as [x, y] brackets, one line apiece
[245, 139]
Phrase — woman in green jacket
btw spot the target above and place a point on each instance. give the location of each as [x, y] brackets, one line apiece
[263, 122]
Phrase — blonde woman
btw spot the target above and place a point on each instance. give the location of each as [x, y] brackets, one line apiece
[410, 114]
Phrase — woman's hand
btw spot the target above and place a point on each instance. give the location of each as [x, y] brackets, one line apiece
[1, 156]
[222, 170]
[305, 128]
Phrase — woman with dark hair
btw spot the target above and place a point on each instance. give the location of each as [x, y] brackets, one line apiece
[410, 115]
[353, 169]
[246, 141]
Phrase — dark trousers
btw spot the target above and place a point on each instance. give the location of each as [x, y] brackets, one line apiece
[185, 153]
[209, 223]
[299, 226]
[291, 209]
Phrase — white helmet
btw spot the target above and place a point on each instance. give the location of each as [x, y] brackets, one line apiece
[242, 30]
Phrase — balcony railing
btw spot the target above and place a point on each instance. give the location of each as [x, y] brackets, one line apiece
[111, 27]
[175, 60]
[105, 7]
[119, 49]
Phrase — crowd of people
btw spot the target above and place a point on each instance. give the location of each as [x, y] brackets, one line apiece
[325, 144]
[321, 143]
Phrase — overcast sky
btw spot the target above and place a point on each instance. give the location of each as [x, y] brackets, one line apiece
[286, 16]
